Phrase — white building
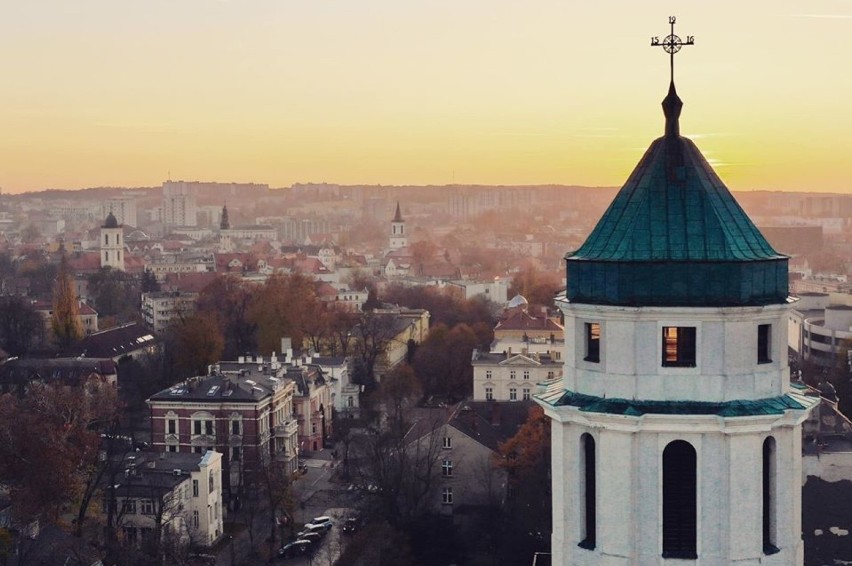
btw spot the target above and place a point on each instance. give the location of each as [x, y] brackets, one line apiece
[676, 435]
[180, 207]
[112, 244]
[160, 309]
[511, 376]
[123, 208]
[177, 495]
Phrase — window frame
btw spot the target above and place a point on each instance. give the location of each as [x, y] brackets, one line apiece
[682, 343]
[764, 343]
[447, 468]
[592, 342]
[447, 496]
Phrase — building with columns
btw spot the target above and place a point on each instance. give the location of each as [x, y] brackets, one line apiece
[676, 433]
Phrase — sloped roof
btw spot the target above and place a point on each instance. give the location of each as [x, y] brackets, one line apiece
[115, 342]
[675, 236]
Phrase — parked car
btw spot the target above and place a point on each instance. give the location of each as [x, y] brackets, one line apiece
[313, 538]
[320, 530]
[323, 520]
[350, 525]
[296, 548]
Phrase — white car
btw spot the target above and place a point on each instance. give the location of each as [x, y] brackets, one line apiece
[323, 521]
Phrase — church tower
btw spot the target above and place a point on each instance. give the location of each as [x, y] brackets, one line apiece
[676, 434]
[225, 243]
[112, 246]
[398, 239]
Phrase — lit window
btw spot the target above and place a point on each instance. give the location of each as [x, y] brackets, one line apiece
[764, 343]
[593, 342]
[679, 346]
[513, 394]
[447, 468]
[447, 496]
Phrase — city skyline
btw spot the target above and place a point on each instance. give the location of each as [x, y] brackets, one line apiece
[378, 92]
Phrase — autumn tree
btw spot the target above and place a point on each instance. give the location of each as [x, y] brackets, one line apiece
[282, 308]
[538, 287]
[371, 335]
[194, 343]
[443, 361]
[47, 440]
[66, 324]
[228, 299]
[21, 327]
[115, 293]
[398, 391]
[526, 459]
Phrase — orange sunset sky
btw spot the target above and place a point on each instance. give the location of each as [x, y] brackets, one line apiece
[120, 93]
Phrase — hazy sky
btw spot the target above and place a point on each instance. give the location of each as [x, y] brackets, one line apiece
[117, 92]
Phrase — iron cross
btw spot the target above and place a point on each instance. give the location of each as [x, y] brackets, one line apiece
[671, 43]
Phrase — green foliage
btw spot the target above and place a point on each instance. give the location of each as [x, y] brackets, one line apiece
[442, 361]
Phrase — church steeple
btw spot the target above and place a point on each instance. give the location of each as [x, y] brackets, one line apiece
[398, 238]
[225, 223]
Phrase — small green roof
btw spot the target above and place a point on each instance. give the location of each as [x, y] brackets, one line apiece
[675, 236]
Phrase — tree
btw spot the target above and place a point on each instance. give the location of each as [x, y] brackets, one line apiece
[198, 341]
[115, 293]
[526, 459]
[48, 438]
[539, 288]
[398, 391]
[228, 299]
[21, 327]
[371, 335]
[66, 324]
[282, 308]
[442, 361]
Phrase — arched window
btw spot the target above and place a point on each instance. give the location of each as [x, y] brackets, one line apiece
[587, 461]
[769, 496]
[679, 500]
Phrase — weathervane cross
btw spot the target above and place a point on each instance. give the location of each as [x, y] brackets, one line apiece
[671, 43]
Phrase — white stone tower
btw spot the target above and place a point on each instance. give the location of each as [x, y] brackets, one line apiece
[112, 244]
[676, 435]
[398, 239]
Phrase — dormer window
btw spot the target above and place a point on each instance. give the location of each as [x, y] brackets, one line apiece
[679, 346]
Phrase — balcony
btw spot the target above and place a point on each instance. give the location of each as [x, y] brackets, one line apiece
[288, 428]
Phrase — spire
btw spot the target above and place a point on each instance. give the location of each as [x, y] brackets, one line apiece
[671, 109]
[398, 216]
[225, 223]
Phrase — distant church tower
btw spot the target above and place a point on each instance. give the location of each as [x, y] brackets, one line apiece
[676, 434]
[112, 246]
[225, 244]
[398, 239]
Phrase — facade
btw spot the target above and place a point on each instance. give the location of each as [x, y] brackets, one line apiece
[177, 495]
[398, 237]
[159, 309]
[511, 376]
[112, 244]
[345, 395]
[312, 404]
[676, 433]
[243, 412]
[180, 206]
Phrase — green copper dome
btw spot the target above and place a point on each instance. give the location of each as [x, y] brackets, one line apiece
[675, 236]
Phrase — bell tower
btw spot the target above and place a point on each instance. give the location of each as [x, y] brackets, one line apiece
[676, 433]
[112, 246]
[398, 238]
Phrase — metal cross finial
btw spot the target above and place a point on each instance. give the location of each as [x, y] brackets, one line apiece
[672, 43]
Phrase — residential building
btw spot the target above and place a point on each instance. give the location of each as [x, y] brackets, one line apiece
[512, 376]
[160, 309]
[244, 409]
[132, 340]
[676, 434]
[177, 495]
[180, 207]
[312, 404]
[16, 374]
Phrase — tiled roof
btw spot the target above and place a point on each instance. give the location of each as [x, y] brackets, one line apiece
[115, 342]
